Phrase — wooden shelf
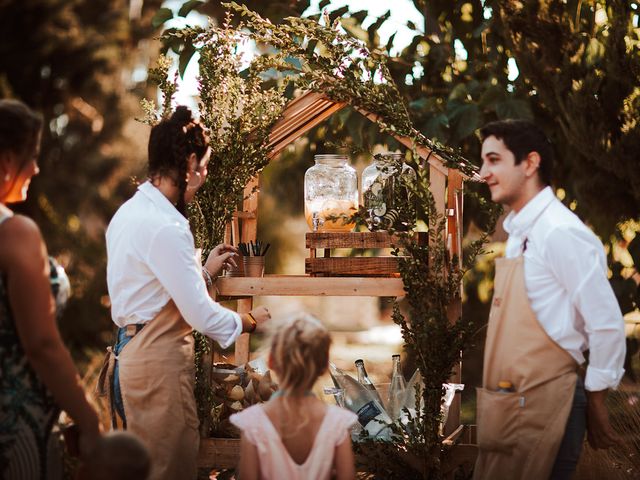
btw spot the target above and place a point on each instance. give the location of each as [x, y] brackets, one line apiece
[304, 285]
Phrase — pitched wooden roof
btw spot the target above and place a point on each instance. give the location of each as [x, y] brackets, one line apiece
[311, 108]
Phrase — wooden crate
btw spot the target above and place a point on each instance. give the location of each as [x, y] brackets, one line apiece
[219, 453]
[375, 266]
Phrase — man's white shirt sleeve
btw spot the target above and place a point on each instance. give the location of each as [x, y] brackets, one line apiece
[580, 267]
[170, 258]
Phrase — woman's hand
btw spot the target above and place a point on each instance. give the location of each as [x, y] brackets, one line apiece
[261, 314]
[223, 256]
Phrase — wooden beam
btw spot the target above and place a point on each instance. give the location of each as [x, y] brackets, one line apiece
[300, 116]
[306, 286]
[249, 231]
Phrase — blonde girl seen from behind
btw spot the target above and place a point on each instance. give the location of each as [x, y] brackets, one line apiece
[295, 435]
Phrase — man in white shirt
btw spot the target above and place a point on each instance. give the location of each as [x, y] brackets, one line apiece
[565, 275]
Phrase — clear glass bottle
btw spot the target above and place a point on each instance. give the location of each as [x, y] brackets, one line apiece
[385, 195]
[414, 383]
[365, 381]
[330, 194]
[397, 389]
[358, 399]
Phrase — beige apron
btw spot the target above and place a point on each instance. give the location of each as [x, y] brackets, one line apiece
[157, 379]
[519, 433]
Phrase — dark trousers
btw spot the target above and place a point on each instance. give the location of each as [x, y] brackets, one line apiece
[571, 446]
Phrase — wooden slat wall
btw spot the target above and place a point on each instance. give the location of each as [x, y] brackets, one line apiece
[353, 240]
[360, 266]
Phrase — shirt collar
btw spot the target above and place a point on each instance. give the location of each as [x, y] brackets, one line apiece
[518, 223]
[162, 202]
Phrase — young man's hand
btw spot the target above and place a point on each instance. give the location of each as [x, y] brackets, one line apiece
[599, 430]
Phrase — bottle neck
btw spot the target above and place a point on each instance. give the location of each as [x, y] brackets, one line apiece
[362, 373]
[396, 367]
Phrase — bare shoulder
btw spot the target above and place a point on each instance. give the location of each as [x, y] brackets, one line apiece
[20, 238]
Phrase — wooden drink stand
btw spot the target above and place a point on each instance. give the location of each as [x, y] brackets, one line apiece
[361, 276]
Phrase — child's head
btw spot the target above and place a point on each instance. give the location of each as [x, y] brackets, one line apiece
[117, 456]
[299, 352]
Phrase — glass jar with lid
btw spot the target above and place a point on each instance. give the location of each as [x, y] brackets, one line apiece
[385, 193]
[330, 194]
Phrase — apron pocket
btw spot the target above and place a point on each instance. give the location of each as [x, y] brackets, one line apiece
[498, 418]
[188, 400]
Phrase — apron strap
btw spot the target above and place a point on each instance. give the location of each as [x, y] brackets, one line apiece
[533, 224]
[104, 387]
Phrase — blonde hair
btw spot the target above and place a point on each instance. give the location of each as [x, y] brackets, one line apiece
[299, 352]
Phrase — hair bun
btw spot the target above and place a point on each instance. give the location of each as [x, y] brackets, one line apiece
[181, 116]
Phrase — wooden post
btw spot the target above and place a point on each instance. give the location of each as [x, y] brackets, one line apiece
[249, 231]
[454, 234]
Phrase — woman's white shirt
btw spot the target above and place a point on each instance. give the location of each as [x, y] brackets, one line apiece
[565, 272]
[151, 259]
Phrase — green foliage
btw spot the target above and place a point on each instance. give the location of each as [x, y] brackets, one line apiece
[582, 60]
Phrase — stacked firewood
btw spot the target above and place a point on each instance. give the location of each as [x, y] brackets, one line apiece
[235, 389]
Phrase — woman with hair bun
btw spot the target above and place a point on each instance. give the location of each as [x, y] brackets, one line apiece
[295, 436]
[159, 294]
[37, 374]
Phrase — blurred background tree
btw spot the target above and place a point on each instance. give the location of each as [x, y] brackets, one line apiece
[83, 65]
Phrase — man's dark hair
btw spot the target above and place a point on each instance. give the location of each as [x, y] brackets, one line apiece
[170, 144]
[523, 137]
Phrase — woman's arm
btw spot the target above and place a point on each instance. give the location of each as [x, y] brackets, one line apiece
[24, 259]
[344, 460]
[249, 467]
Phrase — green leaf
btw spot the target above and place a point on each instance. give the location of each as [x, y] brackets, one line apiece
[375, 26]
[360, 15]
[594, 53]
[311, 46]
[161, 16]
[170, 41]
[185, 55]
[514, 108]
[390, 42]
[465, 120]
[353, 28]
[186, 7]
[338, 13]
[459, 92]
[420, 104]
[491, 96]
[436, 125]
